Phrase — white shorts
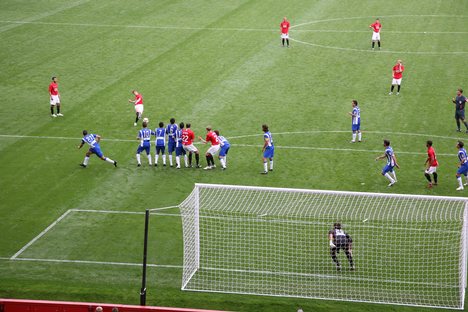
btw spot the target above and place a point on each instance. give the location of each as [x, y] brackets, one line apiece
[190, 148]
[396, 81]
[214, 149]
[54, 99]
[284, 36]
[431, 170]
[376, 36]
[139, 108]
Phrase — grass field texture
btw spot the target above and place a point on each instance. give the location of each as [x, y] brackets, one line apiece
[205, 62]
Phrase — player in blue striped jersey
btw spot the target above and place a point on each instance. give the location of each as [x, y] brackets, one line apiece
[94, 148]
[355, 121]
[268, 149]
[389, 155]
[223, 151]
[179, 151]
[463, 166]
[160, 143]
[144, 136]
[171, 139]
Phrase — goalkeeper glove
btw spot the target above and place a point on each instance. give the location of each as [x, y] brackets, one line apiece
[332, 245]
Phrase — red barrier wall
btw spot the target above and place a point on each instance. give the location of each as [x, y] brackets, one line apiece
[13, 305]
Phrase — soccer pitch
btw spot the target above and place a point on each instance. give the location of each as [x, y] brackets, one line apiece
[69, 233]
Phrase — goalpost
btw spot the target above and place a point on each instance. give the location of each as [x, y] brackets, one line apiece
[407, 249]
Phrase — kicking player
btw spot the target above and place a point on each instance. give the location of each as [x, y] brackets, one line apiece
[94, 148]
[463, 166]
[285, 31]
[431, 164]
[54, 98]
[214, 148]
[397, 72]
[187, 142]
[376, 27]
[160, 143]
[339, 239]
[179, 151]
[355, 121]
[388, 171]
[224, 150]
[171, 139]
[268, 149]
[138, 102]
[144, 136]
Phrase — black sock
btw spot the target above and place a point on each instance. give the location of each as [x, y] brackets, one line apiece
[51, 110]
[466, 125]
[287, 42]
[197, 159]
[428, 177]
[391, 89]
[208, 160]
[435, 177]
[378, 42]
[190, 159]
[350, 258]
[136, 119]
[373, 44]
[58, 109]
[282, 40]
[458, 124]
[398, 88]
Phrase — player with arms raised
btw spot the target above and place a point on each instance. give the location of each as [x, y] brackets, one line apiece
[339, 239]
[431, 164]
[376, 27]
[391, 163]
[285, 31]
[138, 102]
[268, 149]
[144, 136]
[214, 148]
[94, 148]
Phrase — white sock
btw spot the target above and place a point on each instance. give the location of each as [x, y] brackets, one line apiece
[149, 159]
[271, 164]
[156, 158]
[387, 175]
[138, 158]
[354, 137]
[359, 136]
[186, 160]
[109, 160]
[223, 162]
[164, 159]
[394, 175]
[460, 181]
[265, 166]
[170, 160]
[86, 160]
[177, 160]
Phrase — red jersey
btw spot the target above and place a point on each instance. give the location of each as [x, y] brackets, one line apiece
[53, 88]
[284, 27]
[376, 27]
[398, 70]
[138, 99]
[212, 137]
[187, 136]
[432, 157]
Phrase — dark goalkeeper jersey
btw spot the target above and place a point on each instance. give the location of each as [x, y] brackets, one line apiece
[340, 237]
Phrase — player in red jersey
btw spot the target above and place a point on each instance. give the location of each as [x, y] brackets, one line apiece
[397, 71]
[212, 137]
[54, 98]
[138, 102]
[187, 142]
[376, 27]
[431, 164]
[285, 31]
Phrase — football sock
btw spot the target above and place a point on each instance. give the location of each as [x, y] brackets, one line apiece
[208, 161]
[354, 137]
[398, 88]
[378, 43]
[460, 182]
[197, 159]
[86, 160]
[350, 257]
[359, 136]
[466, 125]
[164, 159]
[156, 158]
[138, 158]
[109, 160]
[51, 110]
[190, 158]
[149, 159]
[394, 175]
[223, 162]
[428, 177]
[271, 164]
[58, 109]
[458, 124]
[373, 44]
[387, 175]
[435, 177]
[335, 259]
[265, 166]
[177, 160]
[287, 42]
[391, 89]
[282, 41]
[185, 160]
[170, 160]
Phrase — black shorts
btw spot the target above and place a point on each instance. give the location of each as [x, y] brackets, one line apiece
[459, 114]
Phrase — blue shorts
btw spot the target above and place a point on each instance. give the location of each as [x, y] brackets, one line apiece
[386, 169]
[356, 127]
[179, 151]
[96, 150]
[160, 149]
[171, 147]
[463, 169]
[269, 152]
[143, 148]
[224, 150]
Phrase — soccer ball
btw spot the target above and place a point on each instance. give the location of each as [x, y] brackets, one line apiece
[146, 120]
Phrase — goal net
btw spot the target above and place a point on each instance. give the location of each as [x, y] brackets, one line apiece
[407, 250]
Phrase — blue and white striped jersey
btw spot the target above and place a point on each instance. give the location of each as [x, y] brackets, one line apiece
[90, 139]
[145, 136]
[160, 134]
[389, 154]
[462, 156]
[267, 135]
[356, 119]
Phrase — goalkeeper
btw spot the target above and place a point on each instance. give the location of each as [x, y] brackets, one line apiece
[339, 239]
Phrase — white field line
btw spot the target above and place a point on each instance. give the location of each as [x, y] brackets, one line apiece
[40, 235]
[163, 208]
[278, 146]
[108, 211]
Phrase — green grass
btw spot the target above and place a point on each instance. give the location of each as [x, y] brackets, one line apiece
[205, 62]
